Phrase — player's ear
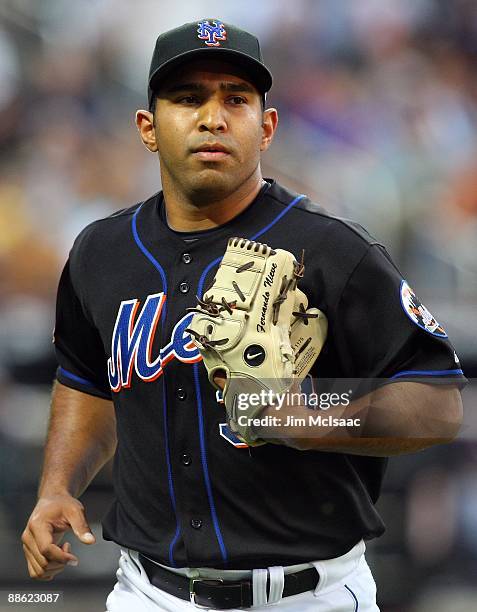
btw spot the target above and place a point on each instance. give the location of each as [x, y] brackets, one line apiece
[145, 125]
[269, 125]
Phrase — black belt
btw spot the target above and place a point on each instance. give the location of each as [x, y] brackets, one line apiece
[218, 594]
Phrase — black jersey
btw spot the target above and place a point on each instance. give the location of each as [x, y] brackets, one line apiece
[187, 492]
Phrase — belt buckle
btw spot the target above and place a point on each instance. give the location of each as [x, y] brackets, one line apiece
[192, 593]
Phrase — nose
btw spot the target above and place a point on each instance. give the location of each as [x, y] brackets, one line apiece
[212, 117]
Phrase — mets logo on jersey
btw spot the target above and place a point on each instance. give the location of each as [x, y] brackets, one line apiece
[132, 340]
[212, 35]
[418, 313]
[131, 349]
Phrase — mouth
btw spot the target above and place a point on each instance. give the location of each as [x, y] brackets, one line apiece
[211, 152]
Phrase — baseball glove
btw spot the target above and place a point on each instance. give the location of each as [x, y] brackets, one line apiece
[253, 327]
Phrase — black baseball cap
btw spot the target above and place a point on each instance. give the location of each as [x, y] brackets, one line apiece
[212, 38]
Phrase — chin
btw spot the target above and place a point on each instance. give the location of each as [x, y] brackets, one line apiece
[213, 183]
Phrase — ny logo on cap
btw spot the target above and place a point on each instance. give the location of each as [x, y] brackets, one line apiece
[211, 34]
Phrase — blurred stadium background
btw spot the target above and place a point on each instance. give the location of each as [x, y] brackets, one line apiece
[378, 122]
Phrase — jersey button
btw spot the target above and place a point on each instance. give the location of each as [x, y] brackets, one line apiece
[181, 394]
[184, 287]
[186, 459]
[196, 523]
[186, 258]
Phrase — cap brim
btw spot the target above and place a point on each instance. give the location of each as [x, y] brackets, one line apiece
[259, 75]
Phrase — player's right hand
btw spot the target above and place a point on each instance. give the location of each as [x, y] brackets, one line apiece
[50, 519]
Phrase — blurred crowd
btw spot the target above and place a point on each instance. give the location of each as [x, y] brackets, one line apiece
[378, 122]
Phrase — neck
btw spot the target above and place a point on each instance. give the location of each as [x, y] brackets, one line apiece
[186, 212]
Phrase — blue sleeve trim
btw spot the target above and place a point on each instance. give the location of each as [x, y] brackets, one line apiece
[428, 373]
[78, 379]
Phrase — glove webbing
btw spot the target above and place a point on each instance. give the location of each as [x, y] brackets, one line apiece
[214, 309]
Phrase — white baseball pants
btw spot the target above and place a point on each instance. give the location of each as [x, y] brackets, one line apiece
[346, 585]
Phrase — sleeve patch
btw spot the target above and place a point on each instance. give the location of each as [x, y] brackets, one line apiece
[418, 313]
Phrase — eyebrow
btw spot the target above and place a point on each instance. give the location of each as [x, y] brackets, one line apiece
[242, 86]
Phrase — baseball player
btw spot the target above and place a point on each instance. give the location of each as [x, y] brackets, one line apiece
[203, 518]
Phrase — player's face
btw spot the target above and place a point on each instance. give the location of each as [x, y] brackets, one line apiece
[210, 130]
